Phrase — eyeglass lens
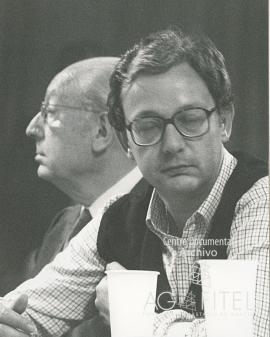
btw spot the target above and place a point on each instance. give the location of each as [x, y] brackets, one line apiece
[149, 130]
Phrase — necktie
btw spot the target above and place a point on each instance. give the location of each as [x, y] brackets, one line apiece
[83, 219]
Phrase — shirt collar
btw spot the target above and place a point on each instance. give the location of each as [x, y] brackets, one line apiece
[209, 206]
[123, 186]
[157, 211]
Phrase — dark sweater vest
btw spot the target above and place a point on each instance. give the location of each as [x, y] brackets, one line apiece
[124, 237]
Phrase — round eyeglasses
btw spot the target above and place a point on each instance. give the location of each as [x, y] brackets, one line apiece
[190, 123]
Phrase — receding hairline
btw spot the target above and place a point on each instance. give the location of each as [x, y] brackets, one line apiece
[85, 78]
[89, 70]
[130, 80]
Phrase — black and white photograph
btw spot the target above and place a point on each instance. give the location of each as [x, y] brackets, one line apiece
[134, 191]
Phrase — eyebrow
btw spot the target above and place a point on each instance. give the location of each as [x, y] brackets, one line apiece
[55, 106]
[152, 113]
[147, 113]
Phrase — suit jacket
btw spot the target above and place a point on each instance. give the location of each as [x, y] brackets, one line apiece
[54, 241]
[61, 231]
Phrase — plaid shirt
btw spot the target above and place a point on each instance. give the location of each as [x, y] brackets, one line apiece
[63, 293]
[248, 240]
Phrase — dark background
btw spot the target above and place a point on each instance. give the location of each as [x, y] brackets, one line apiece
[39, 38]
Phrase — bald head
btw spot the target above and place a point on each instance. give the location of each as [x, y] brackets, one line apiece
[76, 147]
[88, 80]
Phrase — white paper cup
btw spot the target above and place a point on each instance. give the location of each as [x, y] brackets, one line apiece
[179, 329]
[229, 296]
[132, 295]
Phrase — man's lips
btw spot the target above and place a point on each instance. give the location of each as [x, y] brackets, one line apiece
[39, 155]
[174, 170]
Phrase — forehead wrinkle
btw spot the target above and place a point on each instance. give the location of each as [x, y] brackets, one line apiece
[128, 85]
[70, 91]
[79, 86]
[65, 88]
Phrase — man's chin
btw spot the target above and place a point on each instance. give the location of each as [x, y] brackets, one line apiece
[44, 173]
[182, 184]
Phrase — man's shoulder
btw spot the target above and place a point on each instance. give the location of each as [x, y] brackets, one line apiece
[124, 222]
[64, 216]
[248, 180]
[252, 211]
[258, 193]
[141, 192]
[261, 184]
[250, 227]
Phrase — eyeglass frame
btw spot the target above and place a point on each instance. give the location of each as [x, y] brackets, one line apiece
[170, 120]
[44, 113]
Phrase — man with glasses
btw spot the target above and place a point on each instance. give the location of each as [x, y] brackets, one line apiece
[77, 151]
[171, 104]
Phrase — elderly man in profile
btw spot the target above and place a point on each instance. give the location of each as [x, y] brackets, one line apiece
[171, 104]
[77, 151]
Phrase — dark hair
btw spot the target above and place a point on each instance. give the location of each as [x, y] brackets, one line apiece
[159, 52]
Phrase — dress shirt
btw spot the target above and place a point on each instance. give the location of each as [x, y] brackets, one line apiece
[123, 186]
[248, 239]
[64, 292]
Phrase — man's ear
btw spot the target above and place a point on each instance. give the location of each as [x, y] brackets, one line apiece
[226, 119]
[103, 134]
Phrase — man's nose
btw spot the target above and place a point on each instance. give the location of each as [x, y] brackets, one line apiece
[35, 127]
[172, 141]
